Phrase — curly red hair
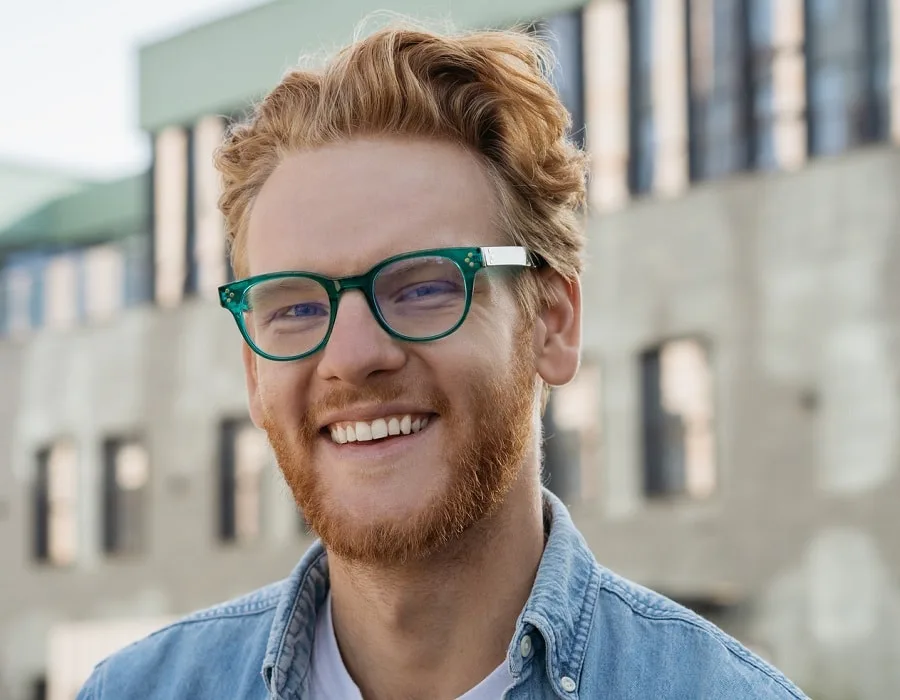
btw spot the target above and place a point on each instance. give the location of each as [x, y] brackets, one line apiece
[486, 90]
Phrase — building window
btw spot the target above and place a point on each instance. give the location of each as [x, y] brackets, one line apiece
[208, 254]
[39, 688]
[244, 456]
[564, 32]
[745, 81]
[137, 269]
[55, 504]
[170, 207]
[577, 433]
[848, 73]
[606, 100]
[126, 473]
[720, 80]
[22, 313]
[678, 432]
[104, 282]
[658, 142]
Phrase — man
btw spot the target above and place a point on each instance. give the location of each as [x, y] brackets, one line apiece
[405, 228]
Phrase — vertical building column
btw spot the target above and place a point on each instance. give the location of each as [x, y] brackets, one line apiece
[61, 297]
[104, 282]
[209, 239]
[894, 81]
[789, 84]
[606, 100]
[670, 96]
[170, 188]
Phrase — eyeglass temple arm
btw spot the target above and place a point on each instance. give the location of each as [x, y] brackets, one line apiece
[514, 255]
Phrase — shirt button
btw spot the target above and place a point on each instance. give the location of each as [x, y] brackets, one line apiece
[567, 684]
[525, 646]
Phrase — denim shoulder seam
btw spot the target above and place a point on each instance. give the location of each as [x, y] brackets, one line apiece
[95, 689]
[226, 610]
[195, 619]
[693, 620]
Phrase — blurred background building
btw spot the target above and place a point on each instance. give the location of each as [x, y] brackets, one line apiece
[732, 437]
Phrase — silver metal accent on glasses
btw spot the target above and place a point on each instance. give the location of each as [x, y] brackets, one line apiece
[505, 255]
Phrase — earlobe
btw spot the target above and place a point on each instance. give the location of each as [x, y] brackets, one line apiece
[559, 332]
[252, 379]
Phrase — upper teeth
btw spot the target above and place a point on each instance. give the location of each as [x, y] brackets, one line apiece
[363, 431]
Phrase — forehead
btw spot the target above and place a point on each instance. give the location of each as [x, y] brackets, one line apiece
[340, 208]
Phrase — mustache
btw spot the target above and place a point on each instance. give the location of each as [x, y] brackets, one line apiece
[378, 391]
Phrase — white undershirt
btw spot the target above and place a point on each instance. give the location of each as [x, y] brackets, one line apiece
[329, 679]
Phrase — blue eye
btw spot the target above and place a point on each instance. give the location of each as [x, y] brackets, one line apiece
[305, 310]
[300, 312]
[427, 289]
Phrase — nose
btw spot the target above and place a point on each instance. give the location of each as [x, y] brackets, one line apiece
[358, 347]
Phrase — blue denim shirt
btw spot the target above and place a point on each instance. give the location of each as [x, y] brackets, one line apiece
[590, 634]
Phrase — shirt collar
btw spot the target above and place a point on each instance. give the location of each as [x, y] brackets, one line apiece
[562, 603]
[294, 624]
[560, 607]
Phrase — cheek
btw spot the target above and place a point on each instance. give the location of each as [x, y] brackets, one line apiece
[283, 388]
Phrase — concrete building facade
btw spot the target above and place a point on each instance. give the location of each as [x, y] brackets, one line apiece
[731, 439]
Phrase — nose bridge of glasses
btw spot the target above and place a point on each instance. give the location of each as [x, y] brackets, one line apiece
[358, 283]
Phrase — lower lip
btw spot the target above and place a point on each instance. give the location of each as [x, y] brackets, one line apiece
[373, 449]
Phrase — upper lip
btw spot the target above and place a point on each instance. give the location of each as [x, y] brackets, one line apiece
[370, 412]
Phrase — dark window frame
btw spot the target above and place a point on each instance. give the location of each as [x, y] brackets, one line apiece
[568, 76]
[664, 465]
[114, 540]
[641, 148]
[867, 118]
[227, 479]
[740, 91]
[41, 507]
[190, 212]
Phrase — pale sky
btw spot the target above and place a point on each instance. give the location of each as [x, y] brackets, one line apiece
[68, 78]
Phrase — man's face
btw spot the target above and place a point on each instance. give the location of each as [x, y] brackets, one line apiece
[338, 210]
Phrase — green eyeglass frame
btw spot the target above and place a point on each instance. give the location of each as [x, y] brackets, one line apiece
[233, 296]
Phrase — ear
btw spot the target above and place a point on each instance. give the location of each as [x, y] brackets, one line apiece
[558, 332]
[250, 374]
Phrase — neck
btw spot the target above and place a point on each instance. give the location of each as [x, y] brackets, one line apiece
[436, 628]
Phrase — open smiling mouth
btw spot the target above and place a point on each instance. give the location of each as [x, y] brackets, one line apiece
[378, 430]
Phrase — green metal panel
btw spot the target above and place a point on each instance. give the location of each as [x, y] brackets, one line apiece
[223, 66]
[99, 212]
[24, 188]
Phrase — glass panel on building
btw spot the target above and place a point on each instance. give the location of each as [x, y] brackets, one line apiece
[564, 32]
[20, 290]
[678, 421]
[55, 504]
[658, 143]
[848, 73]
[578, 426]
[244, 458]
[126, 475]
[720, 88]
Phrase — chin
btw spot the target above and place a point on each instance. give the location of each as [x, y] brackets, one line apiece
[384, 527]
[367, 504]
